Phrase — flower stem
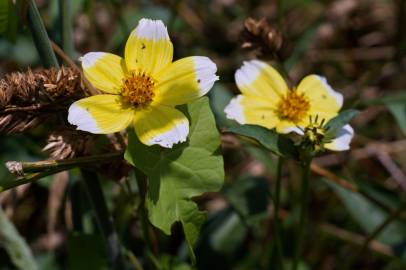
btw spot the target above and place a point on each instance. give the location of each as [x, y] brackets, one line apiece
[40, 36]
[303, 210]
[278, 242]
[103, 219]
[142, 186]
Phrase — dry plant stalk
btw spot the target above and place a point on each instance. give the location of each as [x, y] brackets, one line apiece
[29, 98]
[260, 38]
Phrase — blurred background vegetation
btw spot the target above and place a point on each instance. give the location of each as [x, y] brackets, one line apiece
[357, 197]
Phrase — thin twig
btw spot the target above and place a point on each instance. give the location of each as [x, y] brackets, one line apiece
[64, 56]
[331, 176]
[378, 230]
[33, 107]
[44, 165]
[72, 64]
[30, 178]
[381, 227]
[365, 152]
[396, 173]
[357, 239]
[347, 185]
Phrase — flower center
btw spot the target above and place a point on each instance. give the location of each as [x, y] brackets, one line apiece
[293, 107]
[315, 134]
[138, 89]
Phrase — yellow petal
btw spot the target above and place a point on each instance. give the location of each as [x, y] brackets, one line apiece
[161, 125]
[185, 80]
[252, 110]
[104, 71]
[287, 126]
[148, 47]
[323, 99]
[257, 78]
[100, 114]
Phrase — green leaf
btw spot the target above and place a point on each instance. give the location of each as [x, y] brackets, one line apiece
[369, 216]
[8, 19]
[177, 175]
[172, 263]
[338, 122]
[219, 98]
[398, 97]
[222, 240]
[16, 247]
[271, 140]
[396, 104]
[4, 15]
[86, 251]
[398, 110]
[249, 196]
[302, 44]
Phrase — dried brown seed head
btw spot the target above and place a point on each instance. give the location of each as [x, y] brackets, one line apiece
[68, 143]
[29, 98]
[260, 38]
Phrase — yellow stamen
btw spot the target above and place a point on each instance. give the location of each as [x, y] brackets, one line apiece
[138, 89]
[293, 107]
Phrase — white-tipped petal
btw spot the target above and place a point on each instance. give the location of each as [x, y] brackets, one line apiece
[151, 29]
[205, 70]
[88, 60]
[257, 78]
[162, 125]
[342, 140]
[176, 135]
[324, 101]
[252, 110]
[248, 72]
[105, 71]
[185, 80]
[100, 114]
[296, 130]
[81, 118]
[148, 47]
[235, 111]
[338, 96]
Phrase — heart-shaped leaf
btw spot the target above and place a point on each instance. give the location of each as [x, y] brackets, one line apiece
[177, 175]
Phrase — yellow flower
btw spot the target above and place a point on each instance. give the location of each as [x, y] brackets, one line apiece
[267, 101]
[143, 88]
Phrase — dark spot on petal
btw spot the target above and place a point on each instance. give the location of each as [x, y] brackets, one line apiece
[143, 46]
[198, 81]
[263, 117]
[324, 96]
